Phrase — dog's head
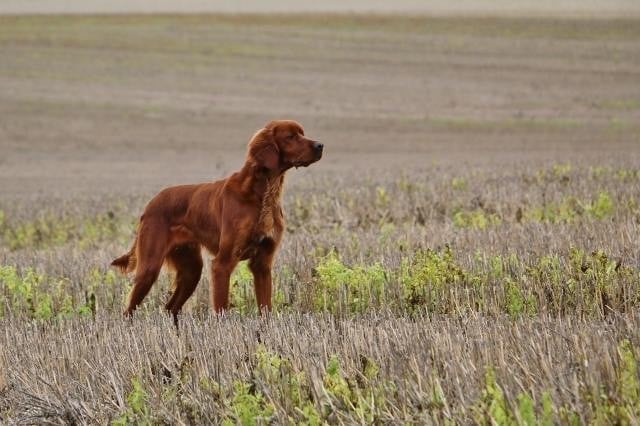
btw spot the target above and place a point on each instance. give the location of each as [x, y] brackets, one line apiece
[280, 145]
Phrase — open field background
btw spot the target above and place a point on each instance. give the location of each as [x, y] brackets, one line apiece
[467, 251]
[137, 102]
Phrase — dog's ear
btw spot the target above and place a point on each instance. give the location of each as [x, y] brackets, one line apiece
[267, 156]
[263, 151]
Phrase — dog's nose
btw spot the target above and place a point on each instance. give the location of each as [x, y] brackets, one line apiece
[318, 146]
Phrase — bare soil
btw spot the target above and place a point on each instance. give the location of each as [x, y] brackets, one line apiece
[94, 104]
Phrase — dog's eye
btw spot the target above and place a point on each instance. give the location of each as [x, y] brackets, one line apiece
[291, 136]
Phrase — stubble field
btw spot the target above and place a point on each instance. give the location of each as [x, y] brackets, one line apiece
[466, 252]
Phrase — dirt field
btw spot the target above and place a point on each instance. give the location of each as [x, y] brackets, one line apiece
[110, 103]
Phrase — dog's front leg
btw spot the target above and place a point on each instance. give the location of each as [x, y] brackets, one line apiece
[260, 267]
[221, 268]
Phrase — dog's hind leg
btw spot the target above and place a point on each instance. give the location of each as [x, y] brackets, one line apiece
[151, 249]
[186, 259]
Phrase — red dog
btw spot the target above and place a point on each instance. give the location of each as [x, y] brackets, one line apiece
[235, 218]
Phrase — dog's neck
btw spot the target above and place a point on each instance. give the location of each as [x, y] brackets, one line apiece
[267, 187]
[270, 202]
[256, 181]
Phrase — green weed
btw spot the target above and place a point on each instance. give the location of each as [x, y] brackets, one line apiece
[137, 411]
[40, 296]
[49, 229]
[477, 218]
[570, 208]
[426, 276]
[248, 407]
[359, 395]
[459, 183]
[341, 288]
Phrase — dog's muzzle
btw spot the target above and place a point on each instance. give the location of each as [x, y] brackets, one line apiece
[317, 149]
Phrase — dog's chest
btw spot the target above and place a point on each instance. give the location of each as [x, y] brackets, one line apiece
[268, 224]
[266, 234]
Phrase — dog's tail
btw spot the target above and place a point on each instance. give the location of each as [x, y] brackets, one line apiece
[127, 262]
